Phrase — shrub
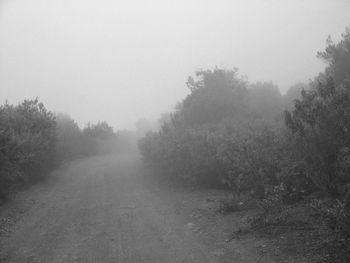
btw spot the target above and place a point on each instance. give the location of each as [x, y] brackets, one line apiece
[70, 142]
[189, 155]
[27, 141]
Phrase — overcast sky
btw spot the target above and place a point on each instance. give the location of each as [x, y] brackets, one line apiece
[122, 60]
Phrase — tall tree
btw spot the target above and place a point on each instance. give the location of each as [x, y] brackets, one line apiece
[321, 117]
[215, 95]
[337, 56]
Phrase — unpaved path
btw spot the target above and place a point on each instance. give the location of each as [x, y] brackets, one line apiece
[103, 209]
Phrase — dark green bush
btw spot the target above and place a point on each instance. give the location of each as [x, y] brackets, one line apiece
[230, 132]
[189, 155]
[72, 142]
[33, 141]
[27, 141]
[222, 134]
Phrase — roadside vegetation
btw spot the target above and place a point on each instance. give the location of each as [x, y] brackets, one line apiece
[290, 153]
[33, 141]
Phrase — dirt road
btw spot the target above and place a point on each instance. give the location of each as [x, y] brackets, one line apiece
[102, 209]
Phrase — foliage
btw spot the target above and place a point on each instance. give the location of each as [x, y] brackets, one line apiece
[222, 133]
[250, 155]
[70, 142]
[217, 94]
[292, 94]
[229, 132]
[321, 121]
[188, 154]
[33, 140]
[100, 130]
[99, 138]
[337, 56]
[27, 141]
[265, 101]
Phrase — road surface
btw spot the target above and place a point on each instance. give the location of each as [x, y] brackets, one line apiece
[102, 209]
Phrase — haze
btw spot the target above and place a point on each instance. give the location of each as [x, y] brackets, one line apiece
[123, 60]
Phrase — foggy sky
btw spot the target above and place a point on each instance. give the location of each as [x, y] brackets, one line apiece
[122, 60]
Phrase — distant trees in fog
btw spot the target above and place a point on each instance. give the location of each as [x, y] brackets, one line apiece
[74, 142]
[223, 119]
[229, 131]
[33, 140]
[249, 137]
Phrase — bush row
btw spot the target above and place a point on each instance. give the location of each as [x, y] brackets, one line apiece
[33, 140]
[250, 138]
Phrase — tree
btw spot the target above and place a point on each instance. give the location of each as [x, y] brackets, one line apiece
[321, 120]
[265, 100]
[337, 56]
[100, 130]
[27, 139]
[215, 95]
[70, 141]
[293, 93]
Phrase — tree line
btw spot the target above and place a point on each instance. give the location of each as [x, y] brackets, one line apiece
[33, 141]
[282, 149]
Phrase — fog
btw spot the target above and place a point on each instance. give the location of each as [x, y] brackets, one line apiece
[120, 61]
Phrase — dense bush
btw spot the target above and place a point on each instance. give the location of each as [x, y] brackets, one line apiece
[251, 156]
[98, 139]
[233, 132]
[321, 121]
[72, 142]
[33, 140]
[189, 154]
[228, 131]
[27, 137]
[219, 133]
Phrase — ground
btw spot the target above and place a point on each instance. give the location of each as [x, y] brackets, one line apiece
[108, 209]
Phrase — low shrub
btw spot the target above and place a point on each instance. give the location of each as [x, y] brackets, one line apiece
[33, 140]
[27, 141]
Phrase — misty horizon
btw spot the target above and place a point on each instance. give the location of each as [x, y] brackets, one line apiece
[121, 62]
